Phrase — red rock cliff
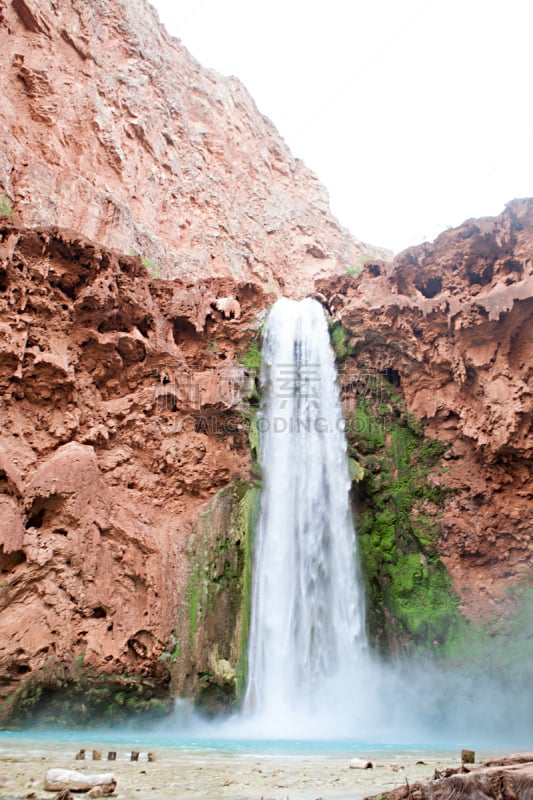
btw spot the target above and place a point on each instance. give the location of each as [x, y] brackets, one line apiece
[109, 127]
[107, 377]
[119, 421]
[450, 323]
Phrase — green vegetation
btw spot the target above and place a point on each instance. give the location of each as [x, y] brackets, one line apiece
[253, 440]
[173, 651]
[70, 695]
[410, 600]
[219, 595]
[339, 341]
[194, 588]
[359, 263]
[6, 209]
[152, 267]
[252, 357]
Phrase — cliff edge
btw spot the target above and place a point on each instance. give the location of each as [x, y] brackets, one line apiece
[108, 126]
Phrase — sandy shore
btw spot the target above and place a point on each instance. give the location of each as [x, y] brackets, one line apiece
[209, 775]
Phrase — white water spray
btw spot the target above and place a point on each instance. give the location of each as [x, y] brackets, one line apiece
[307, 634]
[311, 673]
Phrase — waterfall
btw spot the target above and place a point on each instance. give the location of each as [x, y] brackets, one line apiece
[307, 634]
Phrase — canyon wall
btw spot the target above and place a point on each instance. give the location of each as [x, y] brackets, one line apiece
[121, 402]
[149, 216]
[447, 328]
[109, 127]
[127, 448]
[117, 380]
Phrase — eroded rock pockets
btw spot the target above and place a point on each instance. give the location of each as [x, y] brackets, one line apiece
[448, 327]
[120, 418]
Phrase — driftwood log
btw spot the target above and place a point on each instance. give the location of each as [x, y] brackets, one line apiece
[501, 781]
[515, 758]
[58, 780]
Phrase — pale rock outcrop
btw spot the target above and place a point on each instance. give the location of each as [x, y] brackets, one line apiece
[229, 306]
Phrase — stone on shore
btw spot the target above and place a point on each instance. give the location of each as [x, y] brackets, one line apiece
[58, 780]
[360, 763]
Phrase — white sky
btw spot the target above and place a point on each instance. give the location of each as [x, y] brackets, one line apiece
[414, 114]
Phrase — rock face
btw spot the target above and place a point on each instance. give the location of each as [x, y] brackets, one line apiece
[449, 324]
[110, 127]
[127, 493]
[119, 421]
[122, 409]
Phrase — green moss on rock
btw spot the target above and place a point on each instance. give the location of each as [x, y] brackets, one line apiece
[6, 209]
[339, 341]
[219, 598]
[251, 359]
[411, 603]
[71, 696]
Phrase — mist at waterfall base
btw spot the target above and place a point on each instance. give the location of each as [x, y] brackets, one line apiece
[411, 703]
[311, 673]
[315, 686]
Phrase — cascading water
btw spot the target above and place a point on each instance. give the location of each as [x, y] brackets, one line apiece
[310, 671]
[307, 634]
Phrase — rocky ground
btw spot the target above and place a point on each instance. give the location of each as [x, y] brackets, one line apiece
[507, 778]
[202, 775]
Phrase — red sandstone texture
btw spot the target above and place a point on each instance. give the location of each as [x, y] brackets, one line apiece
[107, 377]
[119, 421]
[118, 394]
[120, 398]
[451, 323]
[109, 127]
